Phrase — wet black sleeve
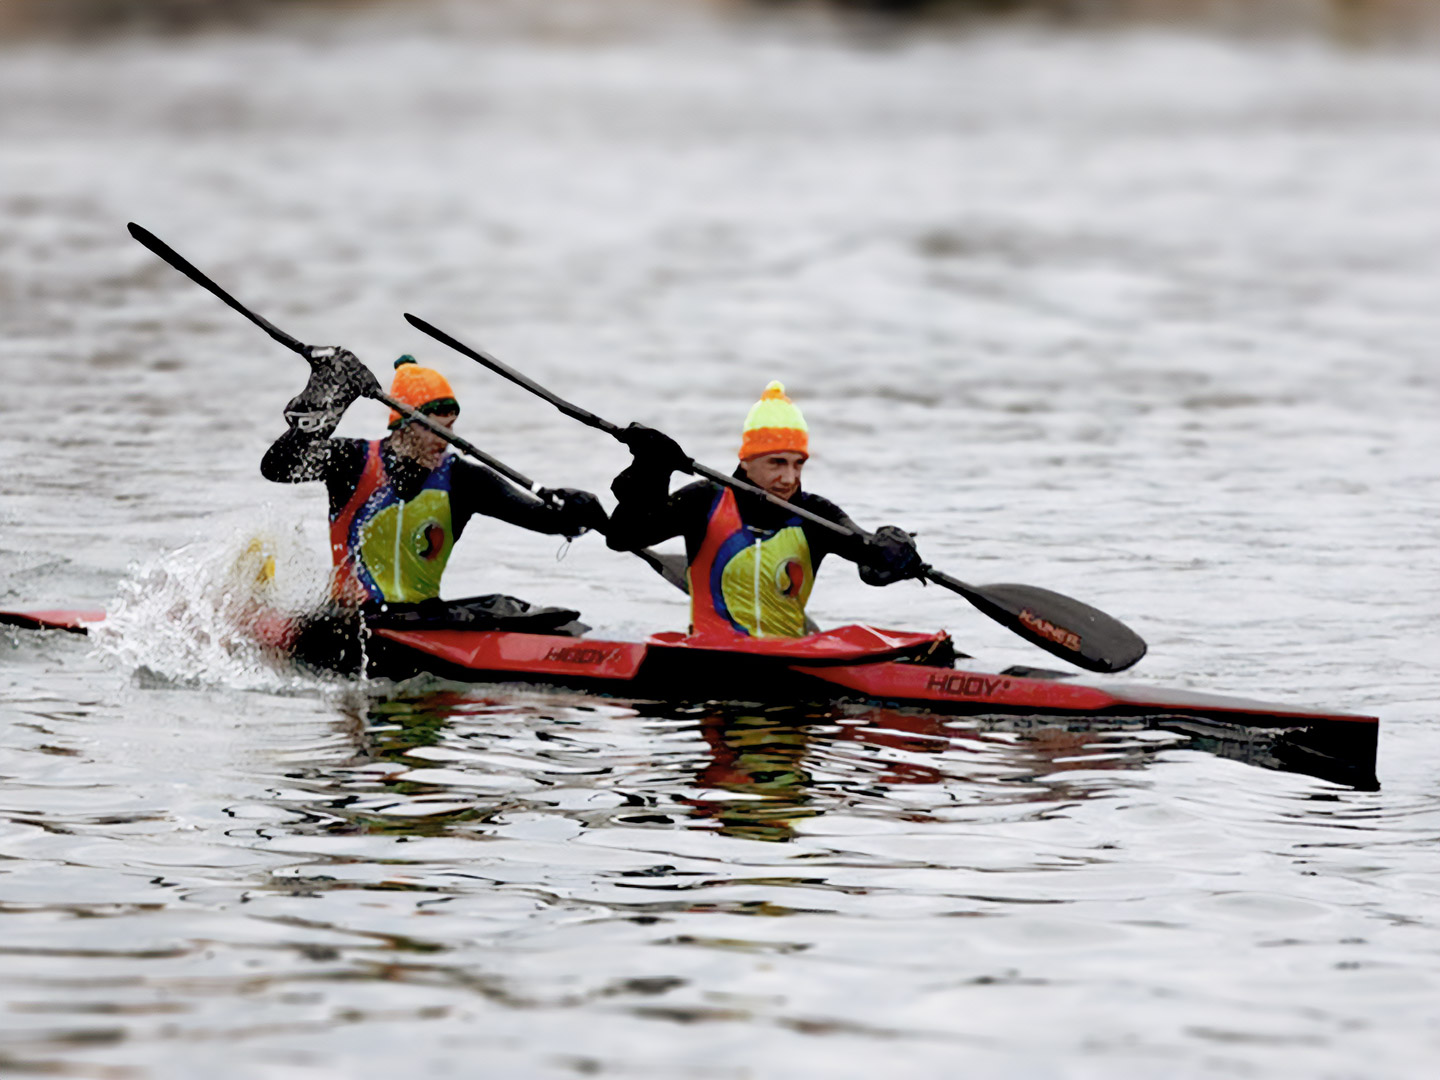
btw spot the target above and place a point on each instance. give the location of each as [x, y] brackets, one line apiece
[823, 541]
[882, 560]
[647, 513]
[297, 457]
[476, 490]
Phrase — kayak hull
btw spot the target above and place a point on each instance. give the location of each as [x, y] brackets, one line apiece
[672, 668]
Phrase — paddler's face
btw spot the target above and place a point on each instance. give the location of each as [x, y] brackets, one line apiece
[779, 474]
[422, 445]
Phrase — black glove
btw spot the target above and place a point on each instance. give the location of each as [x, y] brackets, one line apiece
[337, 378]
[581, 511]
[656, 450]
[890, 556]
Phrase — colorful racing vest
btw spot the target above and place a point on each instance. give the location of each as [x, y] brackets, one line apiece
[750, 581]
[388, 549]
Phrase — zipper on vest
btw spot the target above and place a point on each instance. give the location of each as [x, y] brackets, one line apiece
[399, 532]
[759, 620]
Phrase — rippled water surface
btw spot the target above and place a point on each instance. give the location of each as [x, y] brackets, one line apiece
[1148, 320]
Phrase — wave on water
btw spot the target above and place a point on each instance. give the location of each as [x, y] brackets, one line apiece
[212, 613]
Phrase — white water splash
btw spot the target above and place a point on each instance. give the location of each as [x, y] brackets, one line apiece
[210, 613]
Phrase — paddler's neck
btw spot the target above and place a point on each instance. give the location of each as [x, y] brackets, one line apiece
[758, 511]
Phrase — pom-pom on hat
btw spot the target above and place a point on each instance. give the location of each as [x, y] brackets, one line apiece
[421, 388]
[774, 425]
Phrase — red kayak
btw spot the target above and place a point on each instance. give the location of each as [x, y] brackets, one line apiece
[897, 668]
[894, 668]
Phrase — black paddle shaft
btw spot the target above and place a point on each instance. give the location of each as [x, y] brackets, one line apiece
[1059, 624]
[179, 262]
[669, 567]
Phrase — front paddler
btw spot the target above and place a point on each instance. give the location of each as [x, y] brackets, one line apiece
[752, 564]
[399, 504]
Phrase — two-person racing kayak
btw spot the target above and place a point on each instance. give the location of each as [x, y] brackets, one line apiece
[754, 541]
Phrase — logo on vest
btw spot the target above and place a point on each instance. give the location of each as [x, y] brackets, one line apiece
[430, 541]
[790, 578]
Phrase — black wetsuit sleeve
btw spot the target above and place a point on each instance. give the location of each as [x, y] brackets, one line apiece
[297, 457]
[476, 490]
[825, 541]
[647, 513]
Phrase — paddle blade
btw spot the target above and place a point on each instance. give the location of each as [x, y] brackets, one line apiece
[1059, 624]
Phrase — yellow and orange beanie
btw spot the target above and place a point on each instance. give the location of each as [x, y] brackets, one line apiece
[774, 425]
[421, 388]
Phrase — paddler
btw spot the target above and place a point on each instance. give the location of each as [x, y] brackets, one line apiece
[399, 504]
[752, 563]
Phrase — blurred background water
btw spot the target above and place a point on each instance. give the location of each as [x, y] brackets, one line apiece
[1143, 311]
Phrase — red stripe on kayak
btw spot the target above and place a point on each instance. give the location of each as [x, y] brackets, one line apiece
[525, 654]
[914, 682]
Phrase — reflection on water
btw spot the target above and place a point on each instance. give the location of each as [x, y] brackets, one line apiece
[756, 784]
[437, 762]
[451, 761]
[772, 769]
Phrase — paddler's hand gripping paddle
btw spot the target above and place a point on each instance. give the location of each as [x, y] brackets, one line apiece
[1072, 630]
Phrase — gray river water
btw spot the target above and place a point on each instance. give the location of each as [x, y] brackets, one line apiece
[1148, 319]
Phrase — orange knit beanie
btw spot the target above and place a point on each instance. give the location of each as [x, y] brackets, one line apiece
[421, 388]
[774, 425]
